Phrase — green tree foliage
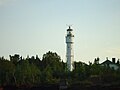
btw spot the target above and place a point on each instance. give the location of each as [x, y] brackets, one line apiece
[53, 61]
[31, 71]
[14, 59]
[81, 71]
[36, 61]
[27, 74]
[47, 76]
[51, 69]
[7, 70]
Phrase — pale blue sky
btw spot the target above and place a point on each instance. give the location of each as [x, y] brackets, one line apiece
[30, 27]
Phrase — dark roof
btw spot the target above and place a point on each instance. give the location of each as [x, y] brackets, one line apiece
[110, 62]
[107, 62]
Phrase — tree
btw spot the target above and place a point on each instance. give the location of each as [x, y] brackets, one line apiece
[27, 74]
[81, 71]
[47, 76]
[14, 59]
[36, 61]
[7, 70]
[53, 61]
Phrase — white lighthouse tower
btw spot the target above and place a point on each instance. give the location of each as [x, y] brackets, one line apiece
[69, 49]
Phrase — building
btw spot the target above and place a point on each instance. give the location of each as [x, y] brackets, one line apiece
[69, 49]
[111, 64]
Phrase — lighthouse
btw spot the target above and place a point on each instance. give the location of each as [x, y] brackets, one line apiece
[69, 49]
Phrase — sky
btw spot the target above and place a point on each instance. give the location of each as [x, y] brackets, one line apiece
[34, 27]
